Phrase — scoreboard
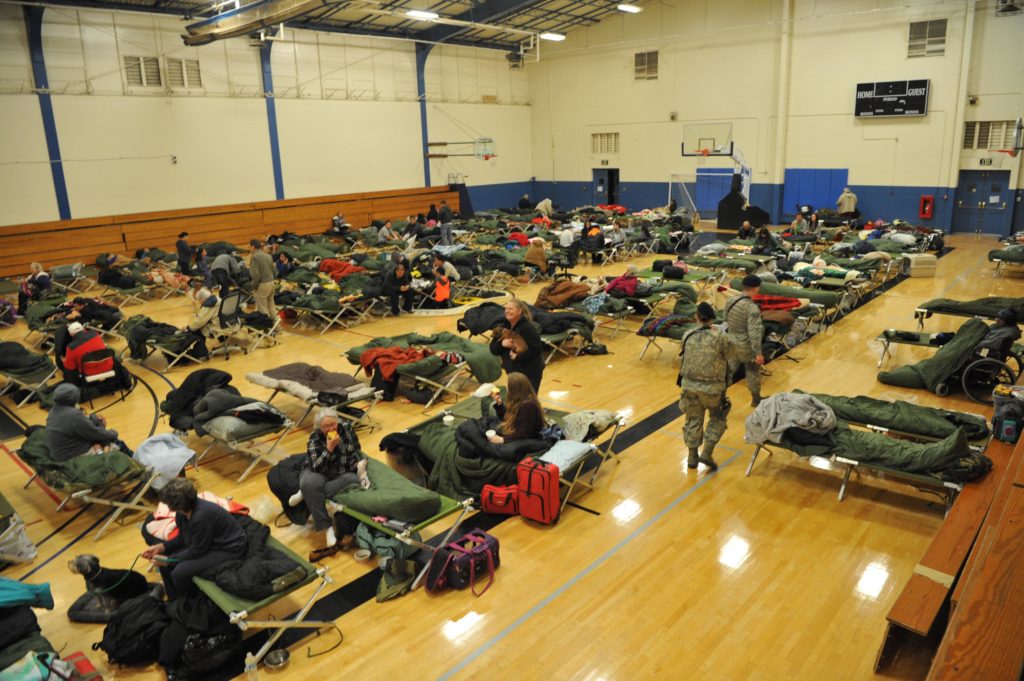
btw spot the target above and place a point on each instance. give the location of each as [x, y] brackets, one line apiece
[892, 98]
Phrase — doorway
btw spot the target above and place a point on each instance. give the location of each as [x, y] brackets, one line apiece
[606, 185]
[983, 202]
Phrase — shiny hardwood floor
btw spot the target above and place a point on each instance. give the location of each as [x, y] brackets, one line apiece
[682, 575]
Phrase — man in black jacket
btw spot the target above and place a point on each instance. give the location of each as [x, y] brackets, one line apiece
[445, 217]
[398, 284]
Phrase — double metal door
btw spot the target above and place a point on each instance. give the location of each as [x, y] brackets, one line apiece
[984, 202]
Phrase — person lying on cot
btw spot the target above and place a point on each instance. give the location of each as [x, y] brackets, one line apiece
[207, 535]
[334, 462]
[521, 414]
[70, 432]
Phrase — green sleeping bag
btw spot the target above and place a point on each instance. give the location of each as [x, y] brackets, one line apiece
[391, 495]
[929, 373]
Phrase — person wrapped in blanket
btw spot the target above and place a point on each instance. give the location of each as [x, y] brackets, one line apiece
[207, 536]
[70, 432]
[31, 287]
[521, 414]
[1001, 335]
[335, 462]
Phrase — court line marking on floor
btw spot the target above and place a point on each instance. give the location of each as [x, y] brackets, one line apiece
[600, 560]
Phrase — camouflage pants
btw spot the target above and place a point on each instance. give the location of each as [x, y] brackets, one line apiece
[752, 373]
[693, 405]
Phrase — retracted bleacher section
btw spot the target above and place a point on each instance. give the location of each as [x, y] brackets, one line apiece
[81, 240]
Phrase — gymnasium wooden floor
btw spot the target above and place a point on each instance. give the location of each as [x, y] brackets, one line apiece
[681, 575]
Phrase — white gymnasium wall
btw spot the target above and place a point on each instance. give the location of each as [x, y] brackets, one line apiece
[997, 80]
[720, 60]
[347, 109]
[471, 94]
[717, 62]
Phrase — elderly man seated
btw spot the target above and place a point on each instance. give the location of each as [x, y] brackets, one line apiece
[70, 432]
[82, 341]
[207, 323]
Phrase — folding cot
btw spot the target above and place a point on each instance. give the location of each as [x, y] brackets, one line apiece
[943, 437]
[701, 279]
[945, 490]
[23, 368]
[318, 387]
[351, 311]
[240, 610]
[473, 360]
[573, 461]
[73, 278]
[110, 479]
[120, 297]
[562, 343]
[240, 436]
[980, 308]
[890, 337]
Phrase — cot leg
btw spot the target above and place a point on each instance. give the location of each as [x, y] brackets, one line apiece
[885, 351]
[846, 479]
[750, 466]
[204, 453]
[31, 480]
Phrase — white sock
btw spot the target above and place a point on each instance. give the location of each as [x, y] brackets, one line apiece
[331, 538]
[295, 499]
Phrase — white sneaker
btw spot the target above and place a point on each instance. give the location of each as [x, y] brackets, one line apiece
[331, 538]
[484, 390]
[295, 499]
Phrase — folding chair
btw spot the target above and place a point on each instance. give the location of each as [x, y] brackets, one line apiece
[99, 367]
[260, 335]
[229, 323]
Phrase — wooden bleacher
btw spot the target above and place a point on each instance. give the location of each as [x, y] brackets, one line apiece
[69, 241]
[944, 576]
[985, 635]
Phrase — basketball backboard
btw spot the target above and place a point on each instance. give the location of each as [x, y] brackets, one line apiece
[707, 139]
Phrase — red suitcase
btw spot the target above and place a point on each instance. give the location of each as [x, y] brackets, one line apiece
[500, 499]
[86, 670]
[539, 498]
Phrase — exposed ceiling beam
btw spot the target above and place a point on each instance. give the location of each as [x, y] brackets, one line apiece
[488, 12]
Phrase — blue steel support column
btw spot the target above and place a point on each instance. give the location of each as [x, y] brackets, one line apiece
[34, 26]
[268, 95]
[422, 50]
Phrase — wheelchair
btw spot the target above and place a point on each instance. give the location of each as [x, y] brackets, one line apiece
[982, 371]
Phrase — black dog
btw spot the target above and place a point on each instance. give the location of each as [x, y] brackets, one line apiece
[110, 587]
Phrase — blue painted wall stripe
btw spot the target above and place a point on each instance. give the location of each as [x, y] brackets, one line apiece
[34, 26]
[268, 95]
[422, 51]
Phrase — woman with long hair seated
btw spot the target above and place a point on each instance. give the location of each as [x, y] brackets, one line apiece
[521, 414]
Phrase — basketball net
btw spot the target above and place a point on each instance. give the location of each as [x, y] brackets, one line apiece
[704, 152]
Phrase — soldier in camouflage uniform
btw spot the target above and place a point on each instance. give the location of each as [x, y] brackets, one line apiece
[704, 377]
[746, 330]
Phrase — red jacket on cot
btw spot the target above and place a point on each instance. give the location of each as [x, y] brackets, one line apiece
[626, 283]
[81, 345]
[519, 238]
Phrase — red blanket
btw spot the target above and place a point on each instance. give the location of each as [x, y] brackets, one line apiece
[387, 360]
[338, 269]
[776, 302]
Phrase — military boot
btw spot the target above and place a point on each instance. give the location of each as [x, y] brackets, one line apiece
[693, 458]
[707, 459]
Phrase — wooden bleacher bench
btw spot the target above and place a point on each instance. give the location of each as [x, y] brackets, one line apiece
[919, 605]
[985, 636]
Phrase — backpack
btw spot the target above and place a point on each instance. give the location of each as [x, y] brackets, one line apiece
[132, 638]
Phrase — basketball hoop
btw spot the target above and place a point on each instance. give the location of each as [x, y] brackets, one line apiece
[703, 152]
[1011, 152]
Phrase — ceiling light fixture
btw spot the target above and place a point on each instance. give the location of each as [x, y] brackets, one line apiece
[422, 15]
[555, 37]
[629, 9]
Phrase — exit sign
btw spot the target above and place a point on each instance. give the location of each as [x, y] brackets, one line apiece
[985, 161]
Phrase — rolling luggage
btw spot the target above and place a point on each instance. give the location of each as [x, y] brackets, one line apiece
[539, 498]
